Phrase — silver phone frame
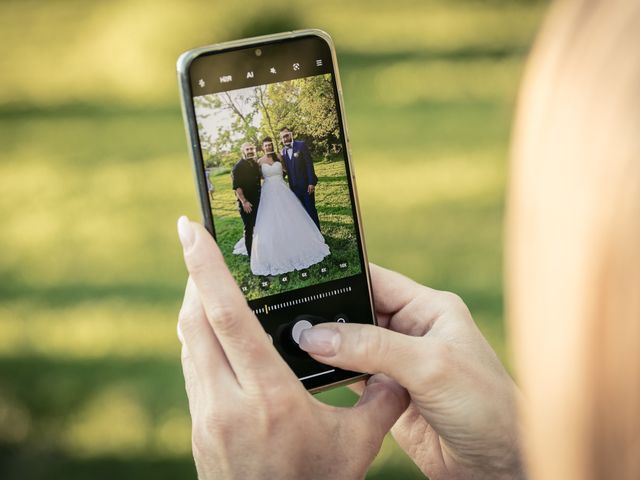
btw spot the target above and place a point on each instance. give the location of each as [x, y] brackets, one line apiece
[191, 128]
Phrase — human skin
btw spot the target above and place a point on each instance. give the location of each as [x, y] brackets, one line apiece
[462, 420]
[251, 416]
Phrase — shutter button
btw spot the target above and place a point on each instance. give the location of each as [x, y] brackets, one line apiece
[298, 328]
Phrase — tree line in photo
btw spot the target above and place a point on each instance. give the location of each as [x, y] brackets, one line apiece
[305, 105]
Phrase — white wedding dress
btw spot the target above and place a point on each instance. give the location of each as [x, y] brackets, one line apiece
[284, 237]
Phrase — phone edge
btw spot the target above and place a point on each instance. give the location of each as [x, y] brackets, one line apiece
[191, 130]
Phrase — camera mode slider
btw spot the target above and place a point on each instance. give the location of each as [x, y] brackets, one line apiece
[266, 309]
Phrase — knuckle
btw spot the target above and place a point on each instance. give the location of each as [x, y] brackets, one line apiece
[252, 350]
[207, 427]
[187, 322]
[216, 422]
[200, 437]
[274, 406]
[184, 315]
[196, 263]
[271, 395]
[204, 440]
[370, 344]
[223, 317]
[451, 299]
[454, 301]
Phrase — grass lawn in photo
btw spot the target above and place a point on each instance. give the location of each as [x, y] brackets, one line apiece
[336, 224]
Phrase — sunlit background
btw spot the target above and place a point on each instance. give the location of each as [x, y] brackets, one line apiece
[94, 172]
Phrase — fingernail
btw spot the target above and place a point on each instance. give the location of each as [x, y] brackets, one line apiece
[320, 341]
[185, 232]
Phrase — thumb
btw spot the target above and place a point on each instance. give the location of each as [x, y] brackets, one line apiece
[365, 348]
[381, 404]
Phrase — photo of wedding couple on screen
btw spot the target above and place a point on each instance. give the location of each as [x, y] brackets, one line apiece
[278, 186]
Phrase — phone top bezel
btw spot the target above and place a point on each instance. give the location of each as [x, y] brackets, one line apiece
[188, 111]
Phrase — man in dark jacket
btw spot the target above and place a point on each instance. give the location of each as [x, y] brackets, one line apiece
[246, 177]
[302, 176]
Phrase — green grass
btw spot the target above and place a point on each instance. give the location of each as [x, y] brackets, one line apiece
[94, 172]
[336, 223]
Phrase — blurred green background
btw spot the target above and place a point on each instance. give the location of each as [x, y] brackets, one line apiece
[94, 172]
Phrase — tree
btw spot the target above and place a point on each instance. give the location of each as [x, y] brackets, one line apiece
[222, 145]
[308, 108]
[318, 111]
[226, 120]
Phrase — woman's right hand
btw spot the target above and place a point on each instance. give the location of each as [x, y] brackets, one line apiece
[462, 420]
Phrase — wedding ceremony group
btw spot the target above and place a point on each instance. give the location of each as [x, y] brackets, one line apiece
[277, 179]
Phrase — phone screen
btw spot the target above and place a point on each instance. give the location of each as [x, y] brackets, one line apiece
[277, 189]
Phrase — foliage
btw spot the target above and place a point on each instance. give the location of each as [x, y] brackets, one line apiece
[304, 105]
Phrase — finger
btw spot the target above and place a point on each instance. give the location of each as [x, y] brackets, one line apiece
[243, 340]
[381, 404]
[411, 421]
[405, 306]
[205, 352]
[357, 387]
[367, 348]
[391, 290]
[191, 383]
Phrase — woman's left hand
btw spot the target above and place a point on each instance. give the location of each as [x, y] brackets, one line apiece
[251, 416]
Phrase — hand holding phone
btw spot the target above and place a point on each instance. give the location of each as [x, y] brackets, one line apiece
[462, 420]
[242, 394]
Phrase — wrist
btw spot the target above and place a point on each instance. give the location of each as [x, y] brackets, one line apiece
[512, 467]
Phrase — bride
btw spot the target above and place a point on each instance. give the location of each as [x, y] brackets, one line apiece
[285, 238]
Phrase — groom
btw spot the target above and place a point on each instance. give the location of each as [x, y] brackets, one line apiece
[246, 184]
[302, 177]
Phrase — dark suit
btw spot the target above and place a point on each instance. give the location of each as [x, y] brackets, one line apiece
[246, 175]
[301, 174]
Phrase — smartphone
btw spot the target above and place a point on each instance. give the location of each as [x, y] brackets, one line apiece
[265, 124]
